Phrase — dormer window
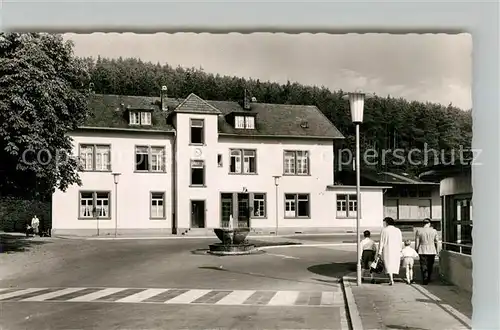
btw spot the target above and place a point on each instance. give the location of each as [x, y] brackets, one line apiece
[145, 118]
[244, 122]
[140, 118]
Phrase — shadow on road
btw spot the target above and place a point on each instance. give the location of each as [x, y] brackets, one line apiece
[15, 243]
[220, 268]
[333, 269]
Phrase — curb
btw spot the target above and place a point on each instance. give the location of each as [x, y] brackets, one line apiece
[254, 236]
[352, 308]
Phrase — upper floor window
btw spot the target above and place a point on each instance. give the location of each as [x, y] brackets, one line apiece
[197, 131]
[243, 161]
[150, 159]
[140, 118]
[242, 122]
[347, 206]
[95, 157]
[198, 173]
[296, 162]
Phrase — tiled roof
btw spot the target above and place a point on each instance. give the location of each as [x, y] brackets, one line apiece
[391, 178]
[271, 119]
[110, 111]
[438, 172]
[195, 104]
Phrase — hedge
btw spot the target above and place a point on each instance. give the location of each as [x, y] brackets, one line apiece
[15, 213]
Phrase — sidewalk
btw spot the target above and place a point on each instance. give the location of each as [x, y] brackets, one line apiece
[402, 306]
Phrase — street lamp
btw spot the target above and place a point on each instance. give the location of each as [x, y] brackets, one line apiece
[357, 103]
[95, 213]
[276, 184]
[116, 177]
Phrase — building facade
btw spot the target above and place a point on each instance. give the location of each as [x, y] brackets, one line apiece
[406, 199]
[184, 166]
[455, 260]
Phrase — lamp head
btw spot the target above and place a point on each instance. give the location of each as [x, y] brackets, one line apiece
[116, 177]
[357, 104]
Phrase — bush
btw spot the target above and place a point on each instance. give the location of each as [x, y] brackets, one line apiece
[15, 213]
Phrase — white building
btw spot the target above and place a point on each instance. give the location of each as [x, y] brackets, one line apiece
[187, 165]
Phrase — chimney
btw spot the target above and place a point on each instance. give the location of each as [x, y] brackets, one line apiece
[163, 98]
[246, 101]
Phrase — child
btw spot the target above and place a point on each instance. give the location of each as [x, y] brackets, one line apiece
[368, 256]
[408, 254]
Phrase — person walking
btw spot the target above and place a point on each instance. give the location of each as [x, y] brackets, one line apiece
[369, 249]
[426, 245]
[35, 224]
[389, 249]
[408, 254]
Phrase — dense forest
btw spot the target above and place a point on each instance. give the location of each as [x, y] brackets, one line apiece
[389, 123]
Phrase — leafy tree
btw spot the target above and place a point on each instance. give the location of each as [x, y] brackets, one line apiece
[42, 97]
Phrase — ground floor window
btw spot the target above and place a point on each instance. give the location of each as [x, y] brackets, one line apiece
[297, 205]
[259, 205]
[157, 205]
[457, 223]
[408, 208]
[347, 205]
[246, 205]
[94, 204]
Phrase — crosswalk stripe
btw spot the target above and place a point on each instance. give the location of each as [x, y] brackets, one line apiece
[97, 295]
[176, 296]
[52, 294]
[235, 297]
[327, 298]
[141, 296]
[19, 293]
[187, 297]
[284, 298]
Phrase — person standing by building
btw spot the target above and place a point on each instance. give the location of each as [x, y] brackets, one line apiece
[426, 245]
[389, 249]
[35, 224]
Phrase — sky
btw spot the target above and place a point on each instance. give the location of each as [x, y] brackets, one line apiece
[426, 67]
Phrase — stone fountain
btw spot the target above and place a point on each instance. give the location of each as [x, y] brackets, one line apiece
[233, 241]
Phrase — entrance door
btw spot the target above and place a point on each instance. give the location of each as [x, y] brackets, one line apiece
[243, 210]
[226, 208]
[197, 214]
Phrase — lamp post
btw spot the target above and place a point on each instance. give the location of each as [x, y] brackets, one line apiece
[357, 103]
[116, 177]
[95, 213]
[276, 184]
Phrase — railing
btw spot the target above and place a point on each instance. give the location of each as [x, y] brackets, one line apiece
[457, 247]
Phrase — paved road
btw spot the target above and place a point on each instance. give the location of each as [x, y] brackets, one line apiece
[170, 284]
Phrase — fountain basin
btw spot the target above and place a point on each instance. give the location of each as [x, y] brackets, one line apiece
[233, 236]
[231, 249]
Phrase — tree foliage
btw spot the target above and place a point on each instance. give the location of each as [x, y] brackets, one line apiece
[389, 123]
[41, 99]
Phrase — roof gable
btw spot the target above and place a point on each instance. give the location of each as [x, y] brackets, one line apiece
[195, 104]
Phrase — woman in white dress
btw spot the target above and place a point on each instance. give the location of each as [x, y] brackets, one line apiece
[389, 249]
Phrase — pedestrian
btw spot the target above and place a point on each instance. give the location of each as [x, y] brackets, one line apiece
[389, 249]
[35, 224]
[408, 254]
[426, 244]
[28, 229]
[369, 249]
